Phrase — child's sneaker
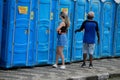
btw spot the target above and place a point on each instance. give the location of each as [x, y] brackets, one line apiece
[90, 66]
[55, 66]
[62, 67]
[83, 65]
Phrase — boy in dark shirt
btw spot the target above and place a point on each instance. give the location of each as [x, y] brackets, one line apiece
[90, 28]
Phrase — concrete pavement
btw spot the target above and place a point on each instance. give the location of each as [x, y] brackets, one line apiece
[103, 69]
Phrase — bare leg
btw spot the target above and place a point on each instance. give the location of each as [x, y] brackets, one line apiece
[91, 59]
[57, 55]
[84, 60]
[61, 54]
[84, 57]
[90, 65]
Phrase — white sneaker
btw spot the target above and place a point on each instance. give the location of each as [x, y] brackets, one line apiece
[55, 66]
[62, 67]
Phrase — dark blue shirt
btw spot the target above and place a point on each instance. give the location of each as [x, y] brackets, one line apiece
[90, 28]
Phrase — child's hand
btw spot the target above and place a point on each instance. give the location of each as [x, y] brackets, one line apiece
[59, 31]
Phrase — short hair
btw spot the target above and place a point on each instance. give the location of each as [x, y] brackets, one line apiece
[90, 15]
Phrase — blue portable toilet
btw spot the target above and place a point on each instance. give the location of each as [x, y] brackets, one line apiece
[117, 32]
[18, 34]
[107, 26]
[95, 6]
[52, 29]
[1, 11]
[58, 6]
[80, 11]
[43, 31]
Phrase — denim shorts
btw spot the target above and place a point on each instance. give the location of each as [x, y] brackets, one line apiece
[61, 40]
[88, 48]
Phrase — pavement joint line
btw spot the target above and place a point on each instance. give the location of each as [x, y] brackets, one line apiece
[111, 75]
[103, 76]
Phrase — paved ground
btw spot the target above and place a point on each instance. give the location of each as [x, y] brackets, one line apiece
[117, 78]
[102, 70]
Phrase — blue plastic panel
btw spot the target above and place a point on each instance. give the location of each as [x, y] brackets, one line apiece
[52, 30]
[43, 31]
[1, 11]
[108, 17]
[117, 31]
[18, 32]
[79, 17]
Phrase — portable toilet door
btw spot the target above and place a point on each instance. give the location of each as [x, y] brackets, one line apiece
[1, 11]
[43, 31]
[52, 30]
[107, 21]
[117, 32]
[65, 6]
[18, 33]
[95, 6]
[80, 12]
